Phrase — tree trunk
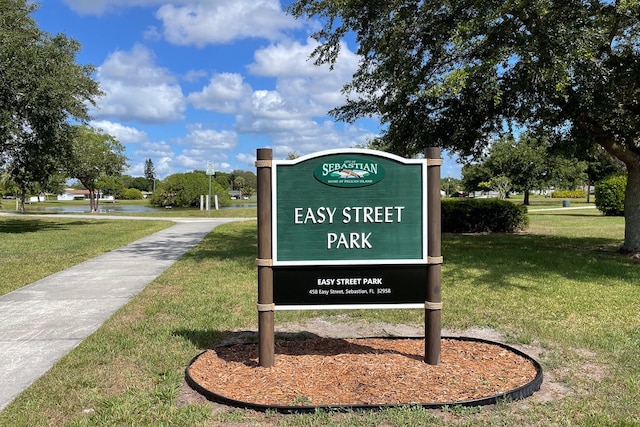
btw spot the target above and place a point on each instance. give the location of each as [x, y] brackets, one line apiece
[632, 210]
[92, 201]
[526, 198]
[22, 196]
[631, 159]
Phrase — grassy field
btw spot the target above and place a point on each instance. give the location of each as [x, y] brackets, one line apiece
[561, 287]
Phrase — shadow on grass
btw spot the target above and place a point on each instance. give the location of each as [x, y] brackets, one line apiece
[19, 226]
[502, 257]
[497, 260]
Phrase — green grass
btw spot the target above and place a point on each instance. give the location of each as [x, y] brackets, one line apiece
[560, 286]
[33, 248]
[541, 202]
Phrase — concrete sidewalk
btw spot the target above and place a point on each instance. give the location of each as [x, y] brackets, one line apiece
[42, 322]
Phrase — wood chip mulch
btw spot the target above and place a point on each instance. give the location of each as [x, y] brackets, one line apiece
[364, 371]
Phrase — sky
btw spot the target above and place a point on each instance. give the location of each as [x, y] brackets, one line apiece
[188, 83]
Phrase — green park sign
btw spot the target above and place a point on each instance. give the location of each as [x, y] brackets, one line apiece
[349, 230]
[343, 207]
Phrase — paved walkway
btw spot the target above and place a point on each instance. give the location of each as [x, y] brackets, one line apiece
[562, 209]
[42, 322]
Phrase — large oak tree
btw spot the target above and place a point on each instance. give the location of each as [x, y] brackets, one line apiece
[456, 73]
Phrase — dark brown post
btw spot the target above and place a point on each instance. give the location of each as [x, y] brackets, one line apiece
[266, 307]
[433, 305]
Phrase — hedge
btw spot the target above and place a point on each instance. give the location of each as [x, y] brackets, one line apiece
[482, 216]
[610, 193]
[568, 194]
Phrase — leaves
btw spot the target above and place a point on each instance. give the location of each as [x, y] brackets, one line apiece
[458, 74]
[42, 88]
[95, 155]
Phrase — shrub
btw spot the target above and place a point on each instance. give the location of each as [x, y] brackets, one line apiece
[132, 194]
[609, 194]
[185, 189]
[482, 215]
[569, 194]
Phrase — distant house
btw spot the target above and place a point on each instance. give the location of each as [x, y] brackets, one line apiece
[74, 194]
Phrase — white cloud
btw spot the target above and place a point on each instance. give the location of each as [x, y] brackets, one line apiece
[152, 34]
[201, 146]
[123, 134]
[195, 75]
[303, 85]
[137, 89]
[203, 140]
[223, 94]
[100, 7]
[286, 59]
[222, 21]
[294, 115]
[247, 159]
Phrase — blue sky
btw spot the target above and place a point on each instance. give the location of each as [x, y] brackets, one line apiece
[192, 82]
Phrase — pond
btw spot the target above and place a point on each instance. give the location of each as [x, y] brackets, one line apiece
[101, 209]
[112, 208]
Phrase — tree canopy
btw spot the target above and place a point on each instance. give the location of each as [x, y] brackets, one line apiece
[95, 155]
[185, 190]
[456, 74]
[42, 88]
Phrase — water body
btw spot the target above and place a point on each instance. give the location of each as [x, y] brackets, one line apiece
[114, 208]
[101, 209]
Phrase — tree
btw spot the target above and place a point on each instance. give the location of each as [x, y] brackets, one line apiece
[141, 183]
[185, 189]
[475, 176]
[456, 74]
[111, 185]
[150, 173]
[95, 155]
[7, 186]
[223, 179]
[600, 164]
[41, 89]
[450, 185]
[248, 179]
[529, 165]
[502, 185]
[239, 183]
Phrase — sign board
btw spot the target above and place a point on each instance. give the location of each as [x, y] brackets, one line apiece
[349, 227]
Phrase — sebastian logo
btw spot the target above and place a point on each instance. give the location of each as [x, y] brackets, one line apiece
[349, 172]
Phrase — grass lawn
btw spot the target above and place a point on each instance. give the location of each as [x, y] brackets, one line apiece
[560, 287]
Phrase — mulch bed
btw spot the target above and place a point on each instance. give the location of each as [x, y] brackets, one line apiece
[363, 371]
